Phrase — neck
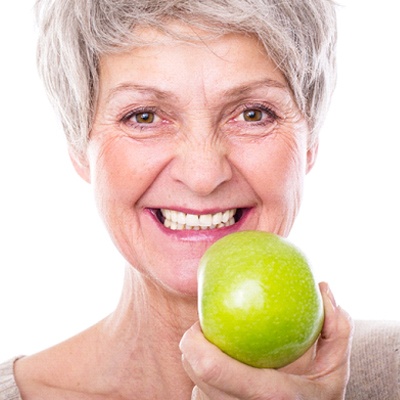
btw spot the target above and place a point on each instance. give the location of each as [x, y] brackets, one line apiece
[132, 354]
[143, 335]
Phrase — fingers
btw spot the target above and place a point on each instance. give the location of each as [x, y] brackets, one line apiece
[338, 324]
[201, 359]
[332, 349]
[197, 394]
[334, 345]
[332, 362]
[321, 373]
[220, 376]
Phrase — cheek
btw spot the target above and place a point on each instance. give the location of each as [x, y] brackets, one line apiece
[291, 168]
[122, 172]
[278, 183]
[276, 169]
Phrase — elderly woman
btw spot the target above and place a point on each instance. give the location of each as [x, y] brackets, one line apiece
[192, 119]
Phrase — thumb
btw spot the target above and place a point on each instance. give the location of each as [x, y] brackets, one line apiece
[197, 394]
[215, 372]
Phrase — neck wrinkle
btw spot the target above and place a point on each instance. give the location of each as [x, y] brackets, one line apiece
[144, 305]
[143, 333]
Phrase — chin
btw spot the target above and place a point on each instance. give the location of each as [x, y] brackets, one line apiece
[184, 287]
[173, 283]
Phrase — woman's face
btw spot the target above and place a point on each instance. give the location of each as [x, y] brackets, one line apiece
[192, 141]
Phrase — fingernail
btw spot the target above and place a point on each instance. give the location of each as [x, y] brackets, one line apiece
[185, 340]
[331, 297]
[188, 356]
[181, 343]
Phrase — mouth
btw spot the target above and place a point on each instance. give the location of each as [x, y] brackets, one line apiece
[177, 220]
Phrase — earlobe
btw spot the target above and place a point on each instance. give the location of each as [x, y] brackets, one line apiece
[81, 164]
[312, 155]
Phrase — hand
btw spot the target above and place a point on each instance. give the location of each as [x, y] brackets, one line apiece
[321, 373]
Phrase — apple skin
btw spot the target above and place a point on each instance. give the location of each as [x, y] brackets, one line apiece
[258, 300]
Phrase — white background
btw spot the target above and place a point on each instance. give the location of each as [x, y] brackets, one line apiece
[59, 272]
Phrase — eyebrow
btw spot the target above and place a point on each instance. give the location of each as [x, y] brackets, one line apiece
[251, 86]
[147, 90]
[241, 90]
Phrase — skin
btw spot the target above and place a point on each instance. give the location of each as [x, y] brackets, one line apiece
[172, 132]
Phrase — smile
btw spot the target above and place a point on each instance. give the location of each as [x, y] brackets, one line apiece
[177, 220]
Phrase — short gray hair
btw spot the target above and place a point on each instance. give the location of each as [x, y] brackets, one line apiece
[299, 36]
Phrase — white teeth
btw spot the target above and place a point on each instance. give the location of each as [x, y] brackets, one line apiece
[205, 220]
[192, 220]
[177, 220]
[174, 216]
[226, 216]
[166, 213]
[217, 218]
[181, 218]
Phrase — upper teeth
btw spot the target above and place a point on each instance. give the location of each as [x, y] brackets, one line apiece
[179, 220]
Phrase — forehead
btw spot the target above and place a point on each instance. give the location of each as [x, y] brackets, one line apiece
[186, 57]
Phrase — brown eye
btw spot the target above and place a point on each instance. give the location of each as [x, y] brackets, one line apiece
[252, 115]
[144, 118]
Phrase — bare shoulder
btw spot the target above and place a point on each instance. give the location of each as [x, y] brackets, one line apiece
[56, 372]
[375, 361]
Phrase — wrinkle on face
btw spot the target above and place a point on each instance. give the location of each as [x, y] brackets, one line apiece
[199, 156]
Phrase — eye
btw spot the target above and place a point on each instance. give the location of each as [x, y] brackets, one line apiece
[252, 115]
[253, 119]
[146, 122]
[144, 117]
[257, 114]
[141, 117]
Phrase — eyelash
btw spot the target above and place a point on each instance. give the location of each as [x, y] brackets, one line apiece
[128, 118]
[271, 115]
[269, 118]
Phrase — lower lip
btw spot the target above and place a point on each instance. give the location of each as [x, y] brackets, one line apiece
[202, 235]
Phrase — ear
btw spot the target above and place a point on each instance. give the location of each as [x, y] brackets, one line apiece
[312, 155]
[81, 164]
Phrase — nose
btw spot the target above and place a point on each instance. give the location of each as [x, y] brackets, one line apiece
[201, 167]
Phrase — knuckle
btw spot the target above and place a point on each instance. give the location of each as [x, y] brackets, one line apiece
[209, 371]
[346, 325]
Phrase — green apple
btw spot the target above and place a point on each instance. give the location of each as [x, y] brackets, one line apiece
[258, 299]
